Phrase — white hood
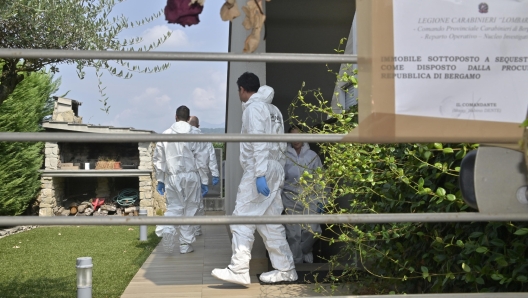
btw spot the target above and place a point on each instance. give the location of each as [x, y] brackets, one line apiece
[181, 127]
[264, 94]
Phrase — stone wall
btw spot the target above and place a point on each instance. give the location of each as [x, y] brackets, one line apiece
[52, 188]
[147, 201]
[52, 157]
[51, 195]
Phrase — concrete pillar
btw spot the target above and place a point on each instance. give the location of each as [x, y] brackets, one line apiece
[233, 171]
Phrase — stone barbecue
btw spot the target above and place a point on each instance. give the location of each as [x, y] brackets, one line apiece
[95, 178]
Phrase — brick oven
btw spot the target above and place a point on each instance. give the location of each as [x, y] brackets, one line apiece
[95, 178]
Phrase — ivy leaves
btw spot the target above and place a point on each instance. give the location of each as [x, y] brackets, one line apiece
[408, 178]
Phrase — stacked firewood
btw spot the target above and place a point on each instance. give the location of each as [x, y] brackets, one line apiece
[96, 207]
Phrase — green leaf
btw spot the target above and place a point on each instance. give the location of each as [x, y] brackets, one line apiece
[496, 276]
[448, 150]
[438, 145]
[427, 154]
[525, 123]
[476, 234]
[501, 262]
[424, 269]
[522, 278]
[479, 280]
[440, 192]
[451, 197]
[522, 231]
[482, 249]
[466, 268]
[425, 275]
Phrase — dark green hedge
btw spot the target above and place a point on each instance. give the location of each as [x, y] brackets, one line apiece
[20, 161]
[407, 178]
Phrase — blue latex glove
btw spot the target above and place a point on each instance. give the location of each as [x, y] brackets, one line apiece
[205, 189]
[262, 186]
[320, 207]
[161, 188]
[216, 180]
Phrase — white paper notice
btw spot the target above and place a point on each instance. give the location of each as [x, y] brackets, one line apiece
[463, 59]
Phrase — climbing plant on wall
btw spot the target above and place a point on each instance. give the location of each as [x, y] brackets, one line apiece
[406, 178]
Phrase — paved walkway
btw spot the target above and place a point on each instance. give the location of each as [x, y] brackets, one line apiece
[189, 275]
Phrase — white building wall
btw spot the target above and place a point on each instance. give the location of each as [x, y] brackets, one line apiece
[233, 170]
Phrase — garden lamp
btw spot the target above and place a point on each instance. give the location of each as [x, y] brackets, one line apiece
[84, 277]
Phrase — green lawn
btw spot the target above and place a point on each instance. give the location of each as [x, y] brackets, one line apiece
[41, 262]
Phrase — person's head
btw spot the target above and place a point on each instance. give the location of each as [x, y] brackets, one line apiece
[182, 113]
[194, 121]
[295, 129]
[248, 84]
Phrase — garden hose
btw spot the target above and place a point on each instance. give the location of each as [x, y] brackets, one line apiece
[127, 197]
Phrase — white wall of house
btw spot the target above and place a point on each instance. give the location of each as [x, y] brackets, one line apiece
[233, 170]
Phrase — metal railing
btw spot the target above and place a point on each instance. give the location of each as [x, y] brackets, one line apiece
[218, 220]
[264, 219]
[81, 137]
[178, 56]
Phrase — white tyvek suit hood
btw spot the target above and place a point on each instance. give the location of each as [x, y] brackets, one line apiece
[181, 127]
[261, 117]
[264, 94]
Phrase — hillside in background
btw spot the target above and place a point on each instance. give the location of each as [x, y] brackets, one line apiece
[211, 125]
[213, 130]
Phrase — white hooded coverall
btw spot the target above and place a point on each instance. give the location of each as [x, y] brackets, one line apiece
[213, 167]
[260, 159]
[300, 239]
[182, 166]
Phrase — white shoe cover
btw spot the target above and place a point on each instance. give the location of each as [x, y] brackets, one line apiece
[168, 241]
[227, 275]
[278, 276]
[186, 248]
[308, 258]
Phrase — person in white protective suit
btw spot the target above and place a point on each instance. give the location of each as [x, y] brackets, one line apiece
[181, 171]
[213, 167]
[260, 187]
[300, 158]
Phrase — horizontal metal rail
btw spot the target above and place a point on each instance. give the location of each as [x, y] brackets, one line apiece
[291, 219]
[128, 137]
[177, 56]
[435, 295]
[82, 137]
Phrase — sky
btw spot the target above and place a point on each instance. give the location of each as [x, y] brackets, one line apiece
[149, 101]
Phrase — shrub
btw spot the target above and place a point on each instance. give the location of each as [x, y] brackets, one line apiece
[20, 161]
[407, 178]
